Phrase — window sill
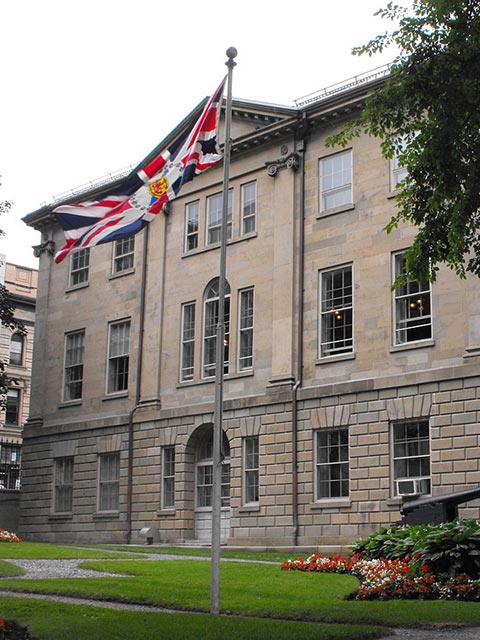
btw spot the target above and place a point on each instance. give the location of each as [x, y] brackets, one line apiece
[396, 501]
[472, 352]
[60, 516]
[70, 403]
[247, 508]
[216, 245]
[127, 272]
[76, 287]
[162, 513]
[418, 344]
[329, 503]
[393, 194]
[228, 376]
[106, 515]
[332, 359]
[115, 396]
[335, 210]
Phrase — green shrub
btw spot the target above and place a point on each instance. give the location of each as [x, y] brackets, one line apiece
[449, 548]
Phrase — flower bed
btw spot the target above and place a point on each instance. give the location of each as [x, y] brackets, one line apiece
[382, 579]
[10, 630]
[6, 536]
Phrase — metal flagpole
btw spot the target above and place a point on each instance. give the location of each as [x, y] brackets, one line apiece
[220, 357]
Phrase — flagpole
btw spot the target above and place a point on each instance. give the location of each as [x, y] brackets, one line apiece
[219, 363]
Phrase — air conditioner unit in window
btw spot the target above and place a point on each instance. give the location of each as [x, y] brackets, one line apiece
[412, 486]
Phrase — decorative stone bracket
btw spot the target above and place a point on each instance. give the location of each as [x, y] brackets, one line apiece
[290, 161]
[48, 246]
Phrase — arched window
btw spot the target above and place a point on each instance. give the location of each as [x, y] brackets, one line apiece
[210, 316]
[17, 344]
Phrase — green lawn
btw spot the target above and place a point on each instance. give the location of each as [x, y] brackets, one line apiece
[43, 550]
[9, 570]
[261, 556]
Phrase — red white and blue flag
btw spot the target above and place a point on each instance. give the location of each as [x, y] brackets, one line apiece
[133, 204]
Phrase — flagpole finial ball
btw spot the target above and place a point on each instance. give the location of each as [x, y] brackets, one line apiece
[232, 52]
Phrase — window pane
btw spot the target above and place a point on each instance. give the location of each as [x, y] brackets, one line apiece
[336, 181]
[332, 464]
[119, 359]
[109, 480]
[16, 349]
[124, 254]
[79, 264]
[411, 453]
[336, 322]
[214, 217]
[413, 319]
[74, 352]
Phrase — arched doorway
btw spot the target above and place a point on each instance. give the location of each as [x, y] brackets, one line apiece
[204, 485]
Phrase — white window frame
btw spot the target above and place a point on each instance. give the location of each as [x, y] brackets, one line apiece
[245, 329]
[73, 367]
[63, 485]
[251, 470]
[116, 358]
[215, 210]
[187, 345]
[336, 181]
[192, 215]
[335, 315]
[412, 308]
[209, 341]
[123, 258]
[18, 352]
[407, 464]
[248, 199]
[17, 394]
[168, 477]
[332, 464]
[108, 482]
[79, 267]
[397, 172]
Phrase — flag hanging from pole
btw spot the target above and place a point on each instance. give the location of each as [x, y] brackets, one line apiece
[133, 204]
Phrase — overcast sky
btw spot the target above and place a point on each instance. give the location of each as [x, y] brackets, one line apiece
[91, 87]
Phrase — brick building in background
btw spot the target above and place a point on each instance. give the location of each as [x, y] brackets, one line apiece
[343, 399]
[16, 350]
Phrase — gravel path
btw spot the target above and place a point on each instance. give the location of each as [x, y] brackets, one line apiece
[70, 569]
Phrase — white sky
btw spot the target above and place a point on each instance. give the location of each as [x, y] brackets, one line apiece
[90, 87]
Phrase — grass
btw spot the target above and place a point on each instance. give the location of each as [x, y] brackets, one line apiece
[9, 570]
[43, 550]
[56, 621]
[260, 556]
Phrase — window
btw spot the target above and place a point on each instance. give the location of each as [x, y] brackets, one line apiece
[336, 181]
[413, 320]
[12, 410]
[79, 263]
[210, 329]
[214, 217]
[188, 341]
[74, 349]
[109, 481]
[397, 172]
[411, 457]
[332, 464]
[10, 455]
[123, 254]
[118, 356]
[251, 469]
[63, 485]
[249, 207]
[336, 321]
[192, 215]
[204, 468]
[16, 349]
[168, 484]
[245, 329]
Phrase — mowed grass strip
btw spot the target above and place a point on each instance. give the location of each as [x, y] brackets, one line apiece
[45, 551]
[248, 589]
[7, 570]
[58, 621]
[253, 556]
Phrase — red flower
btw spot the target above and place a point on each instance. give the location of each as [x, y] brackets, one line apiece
[2, 623]
[424, 568]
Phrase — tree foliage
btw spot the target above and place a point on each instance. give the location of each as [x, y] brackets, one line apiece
[427, 113]
[7, 319]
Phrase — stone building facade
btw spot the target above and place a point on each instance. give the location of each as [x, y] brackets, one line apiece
[343, 399]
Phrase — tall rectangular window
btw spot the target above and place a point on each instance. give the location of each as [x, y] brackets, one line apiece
[336, 312]
[73, 377]
[63, 495]
[17, 347]
[118, 356]
[332, 464]
[397, 172]
[249, 206]
[168, 478]
[10, 455]
[192, 216]
[123, 254]
[251, 469]
[411, 457]
[412, 308]
[214, 217]
[210, 330]
[336, 181]
[79, 266]
[12, 409]
[188, 341]
[108, 481]
[245, 330]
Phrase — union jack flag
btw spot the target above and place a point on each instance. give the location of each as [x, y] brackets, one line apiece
[143, 194]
